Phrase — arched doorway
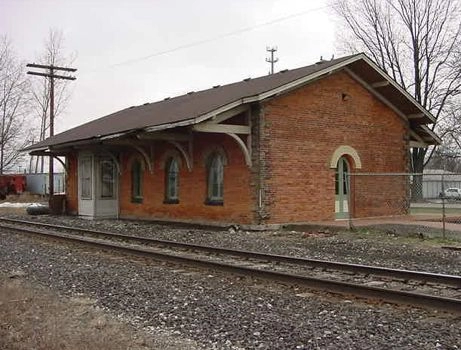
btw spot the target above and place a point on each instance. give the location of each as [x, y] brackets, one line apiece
[345, 159]
[342, 188]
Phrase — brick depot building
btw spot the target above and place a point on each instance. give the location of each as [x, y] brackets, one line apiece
[262, 151]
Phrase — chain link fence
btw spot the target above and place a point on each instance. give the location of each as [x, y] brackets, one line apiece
[420, 204]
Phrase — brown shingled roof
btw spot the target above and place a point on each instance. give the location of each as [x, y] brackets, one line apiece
[191, 107]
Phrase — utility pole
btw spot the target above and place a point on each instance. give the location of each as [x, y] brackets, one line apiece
[51, 75]
[272, 60]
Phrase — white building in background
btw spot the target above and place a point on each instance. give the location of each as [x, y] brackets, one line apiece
[39, 183]
[437, 180]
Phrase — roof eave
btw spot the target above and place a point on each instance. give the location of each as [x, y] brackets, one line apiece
[255, 98]
[259, 97]
[292, 85]
[399, 88]
[435, 138]
[33, 149]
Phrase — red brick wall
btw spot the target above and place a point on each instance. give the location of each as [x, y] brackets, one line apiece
[192, 186]
[306, 126]
[71, 184]
[294, 137]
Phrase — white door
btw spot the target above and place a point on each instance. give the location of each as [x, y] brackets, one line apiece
[85, 185]
[106, 177]
[342, 189]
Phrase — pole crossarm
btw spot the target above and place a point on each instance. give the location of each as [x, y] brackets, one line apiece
[33, 65]
[51, 75]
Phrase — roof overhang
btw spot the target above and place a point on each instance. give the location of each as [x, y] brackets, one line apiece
[368, 74]
[359, 66]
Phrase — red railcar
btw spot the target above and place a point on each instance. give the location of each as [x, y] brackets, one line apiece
[12, 184]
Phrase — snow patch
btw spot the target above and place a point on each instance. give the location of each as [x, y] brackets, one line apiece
[17, 205]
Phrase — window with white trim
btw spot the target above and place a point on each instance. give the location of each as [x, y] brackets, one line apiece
[136, 181]
[86, 177]
[215, 180]
[107, 173]
[172, 181]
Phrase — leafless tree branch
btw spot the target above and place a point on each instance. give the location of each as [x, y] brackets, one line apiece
[53, 54]
[417, 42]
[14, 105]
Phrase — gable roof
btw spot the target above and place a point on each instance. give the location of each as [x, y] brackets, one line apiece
[194, 107]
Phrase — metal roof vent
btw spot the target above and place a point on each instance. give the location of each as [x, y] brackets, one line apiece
[321, 61]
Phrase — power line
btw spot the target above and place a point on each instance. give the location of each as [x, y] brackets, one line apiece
[225, 35]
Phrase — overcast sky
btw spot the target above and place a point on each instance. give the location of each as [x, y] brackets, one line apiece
[120, 45]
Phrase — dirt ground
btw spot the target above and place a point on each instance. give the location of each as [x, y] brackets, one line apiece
[32, 317]
[24, 197]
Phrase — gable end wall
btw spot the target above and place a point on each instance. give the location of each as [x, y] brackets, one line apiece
[305, 126]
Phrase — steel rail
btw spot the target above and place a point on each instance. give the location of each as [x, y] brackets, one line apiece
[421, 276]
[451, 248]
[345, 288]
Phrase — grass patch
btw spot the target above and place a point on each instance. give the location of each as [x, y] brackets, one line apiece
[402, 234]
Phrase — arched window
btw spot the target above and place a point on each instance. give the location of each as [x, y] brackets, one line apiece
[136, 181]
[107, 178]
[172, 181]
[341, 177]
[215, 187]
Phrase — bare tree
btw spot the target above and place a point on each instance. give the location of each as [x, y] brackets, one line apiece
[417, 42]
[53, 54]
[14, 99]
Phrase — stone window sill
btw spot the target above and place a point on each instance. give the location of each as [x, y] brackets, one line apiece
[214, 202]
[136, 200]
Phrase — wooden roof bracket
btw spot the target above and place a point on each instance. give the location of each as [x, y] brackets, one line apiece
[187, 154]
[244, 147]
[416, 136]
[144, 155]
[66, 168]
[380, 84]
[377, 95]
[51, 155]
[416, 116]
[219, 118]
[214, 126]
[114, 158]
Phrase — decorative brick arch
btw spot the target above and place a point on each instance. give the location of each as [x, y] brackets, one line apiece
[187, 155]
[345, 150]
[168, 154]
[215, 149]
[136, 157]
[141, 155]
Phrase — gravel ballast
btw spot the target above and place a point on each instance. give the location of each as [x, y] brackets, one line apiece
[219, 311]
[365, 247]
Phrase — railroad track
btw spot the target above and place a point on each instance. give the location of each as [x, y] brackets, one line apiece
[391, 285]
